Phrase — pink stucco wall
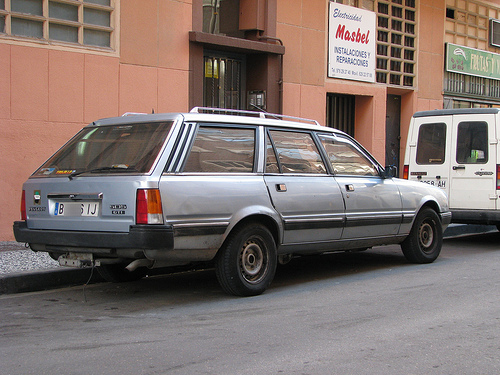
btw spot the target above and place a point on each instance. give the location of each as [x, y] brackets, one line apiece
[48, 93]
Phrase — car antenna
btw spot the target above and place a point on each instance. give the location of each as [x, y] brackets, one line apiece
[264, 111]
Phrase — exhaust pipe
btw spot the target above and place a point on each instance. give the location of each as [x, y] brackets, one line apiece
[139, 263]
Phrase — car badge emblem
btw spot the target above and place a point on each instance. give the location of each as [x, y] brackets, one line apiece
[37, 197]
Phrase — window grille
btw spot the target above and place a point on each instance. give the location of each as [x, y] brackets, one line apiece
[396, 42]
[340, 112]
[222, 83]
[470, 86]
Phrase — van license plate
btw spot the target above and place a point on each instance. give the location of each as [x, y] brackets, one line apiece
[439, 183]
[77, 209]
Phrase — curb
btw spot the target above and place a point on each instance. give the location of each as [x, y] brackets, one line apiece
[457, 230]
[34, 281]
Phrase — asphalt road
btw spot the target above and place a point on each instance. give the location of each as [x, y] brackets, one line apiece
[349, 313]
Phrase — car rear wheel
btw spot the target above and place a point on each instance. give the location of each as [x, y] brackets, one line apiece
[425, 240]
[246, 263]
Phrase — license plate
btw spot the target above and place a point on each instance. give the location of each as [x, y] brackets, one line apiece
[77, 209]
[439, 183]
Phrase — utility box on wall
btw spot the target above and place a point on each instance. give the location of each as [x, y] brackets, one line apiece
[256, 100]
[252, 15]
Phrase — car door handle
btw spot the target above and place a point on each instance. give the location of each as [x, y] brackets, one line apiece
[456, 167]
[281, 187]
[349, 187]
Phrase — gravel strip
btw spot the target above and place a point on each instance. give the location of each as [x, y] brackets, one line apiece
[14, 257]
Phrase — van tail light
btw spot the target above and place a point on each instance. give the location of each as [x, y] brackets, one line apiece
[23, 206]
[498, 176]
[148, 207]
[406, 171]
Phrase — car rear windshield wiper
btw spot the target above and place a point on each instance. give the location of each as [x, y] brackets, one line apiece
[113, 168]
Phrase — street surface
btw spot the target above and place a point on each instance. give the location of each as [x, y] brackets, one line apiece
[348, 313]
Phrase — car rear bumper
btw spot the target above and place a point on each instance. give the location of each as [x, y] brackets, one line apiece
[159, 237]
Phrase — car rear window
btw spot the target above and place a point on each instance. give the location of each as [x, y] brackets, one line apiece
[130, 148]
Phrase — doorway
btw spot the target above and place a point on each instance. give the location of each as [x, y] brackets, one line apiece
[392, 130]
[340, 110]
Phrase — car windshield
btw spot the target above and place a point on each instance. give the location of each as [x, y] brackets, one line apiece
[130, 148]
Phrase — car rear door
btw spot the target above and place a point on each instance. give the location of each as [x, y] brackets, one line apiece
[305, 195]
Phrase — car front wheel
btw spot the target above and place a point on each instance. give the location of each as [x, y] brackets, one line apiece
[425, 240]
[246, 263]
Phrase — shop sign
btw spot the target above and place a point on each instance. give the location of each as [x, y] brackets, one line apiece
[351, 43]
[471, 61]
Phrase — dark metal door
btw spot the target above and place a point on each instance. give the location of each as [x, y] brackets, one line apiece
[392, 130]
[222, 82]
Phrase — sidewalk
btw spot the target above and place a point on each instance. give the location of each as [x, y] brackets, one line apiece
[22, 270]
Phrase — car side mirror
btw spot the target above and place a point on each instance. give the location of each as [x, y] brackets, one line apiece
[390, 171]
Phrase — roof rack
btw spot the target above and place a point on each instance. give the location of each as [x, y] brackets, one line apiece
[239, 112]
[133, 114]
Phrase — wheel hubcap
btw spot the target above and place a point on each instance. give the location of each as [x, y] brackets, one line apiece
[426, 235]
[252, 262]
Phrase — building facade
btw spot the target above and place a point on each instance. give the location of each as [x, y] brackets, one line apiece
[65, 63]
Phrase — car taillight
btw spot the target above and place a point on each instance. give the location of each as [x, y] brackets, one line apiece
[148, 207]
[498, 176]
[23, 206]
[406, 170]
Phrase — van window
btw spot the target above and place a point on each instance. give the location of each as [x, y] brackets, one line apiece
[431, 143]
[346, 159]
[222, 150]
[297, 152]
[472, 143]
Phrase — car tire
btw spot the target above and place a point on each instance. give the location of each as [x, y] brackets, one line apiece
[425, 240]
[117, 273]
[245, 265]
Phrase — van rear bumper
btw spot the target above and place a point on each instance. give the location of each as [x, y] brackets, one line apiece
[138, 237]
[488, 217]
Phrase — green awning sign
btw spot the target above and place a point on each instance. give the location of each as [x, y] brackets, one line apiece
[471, 61]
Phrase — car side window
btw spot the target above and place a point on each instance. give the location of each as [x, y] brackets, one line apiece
[346, 159]
[271, 161]
[431, 145]
[297, 152]
[472, 142]
[222, 150]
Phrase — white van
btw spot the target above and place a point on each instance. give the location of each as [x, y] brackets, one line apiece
[457, 150]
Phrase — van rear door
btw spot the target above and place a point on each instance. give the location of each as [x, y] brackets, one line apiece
[473, 164]
[428, 154]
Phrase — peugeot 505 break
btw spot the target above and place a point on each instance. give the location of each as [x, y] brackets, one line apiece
[240, 190]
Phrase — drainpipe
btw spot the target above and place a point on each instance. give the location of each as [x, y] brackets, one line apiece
[280, 80]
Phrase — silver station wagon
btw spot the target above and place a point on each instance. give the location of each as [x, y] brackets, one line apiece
[241, 190]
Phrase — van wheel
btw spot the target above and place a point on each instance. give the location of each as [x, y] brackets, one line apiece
[424, 242]
[246, 263]
[117, 273]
